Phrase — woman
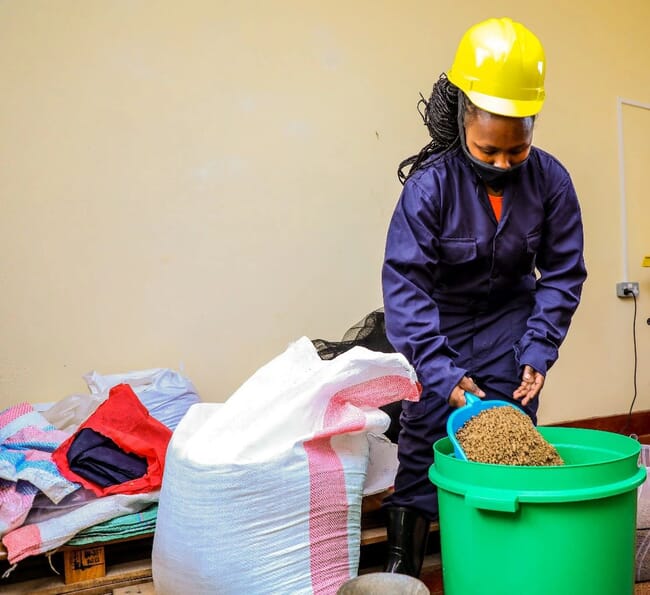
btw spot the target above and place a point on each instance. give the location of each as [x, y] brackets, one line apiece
[484, 259]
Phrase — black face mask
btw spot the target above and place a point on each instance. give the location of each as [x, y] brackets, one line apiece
[496, 178]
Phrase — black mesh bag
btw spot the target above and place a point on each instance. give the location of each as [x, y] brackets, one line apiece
[370, 332]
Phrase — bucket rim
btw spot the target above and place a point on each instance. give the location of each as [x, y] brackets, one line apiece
[504, 487]
[552, 434]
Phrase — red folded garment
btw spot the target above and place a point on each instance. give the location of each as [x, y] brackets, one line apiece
[123, 419]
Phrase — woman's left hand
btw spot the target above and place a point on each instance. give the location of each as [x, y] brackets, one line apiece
[531, 383]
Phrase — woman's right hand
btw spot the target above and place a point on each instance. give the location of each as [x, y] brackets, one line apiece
[457, 396]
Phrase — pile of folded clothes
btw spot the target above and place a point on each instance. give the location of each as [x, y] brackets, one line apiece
[87, 470]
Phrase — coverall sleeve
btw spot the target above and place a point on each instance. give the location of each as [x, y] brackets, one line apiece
[562, 272]
[412, 316]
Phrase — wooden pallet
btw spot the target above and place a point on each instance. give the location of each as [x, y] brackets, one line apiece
[124, 575]
[92, 569]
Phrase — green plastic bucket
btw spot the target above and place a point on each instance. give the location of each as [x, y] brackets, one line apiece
[566, 530]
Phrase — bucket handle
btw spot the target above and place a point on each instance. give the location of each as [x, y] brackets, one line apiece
[499, 503]
[508, 501]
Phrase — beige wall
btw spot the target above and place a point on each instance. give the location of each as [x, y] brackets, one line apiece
[201, 182]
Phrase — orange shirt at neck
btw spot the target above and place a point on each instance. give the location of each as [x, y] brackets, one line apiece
[497, 205]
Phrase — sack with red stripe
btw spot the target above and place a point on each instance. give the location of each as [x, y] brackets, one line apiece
[265, 490]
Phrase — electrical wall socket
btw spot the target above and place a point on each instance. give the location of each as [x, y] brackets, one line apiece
[629, 286]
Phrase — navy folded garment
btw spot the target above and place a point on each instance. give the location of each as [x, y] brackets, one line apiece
[98, 459]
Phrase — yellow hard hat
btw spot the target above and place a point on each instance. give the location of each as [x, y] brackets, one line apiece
[500, 66]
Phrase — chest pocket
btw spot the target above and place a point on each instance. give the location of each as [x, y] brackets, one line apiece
[457, 250]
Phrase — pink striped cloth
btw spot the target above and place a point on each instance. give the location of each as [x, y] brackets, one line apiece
[27, 441]
[40, 537]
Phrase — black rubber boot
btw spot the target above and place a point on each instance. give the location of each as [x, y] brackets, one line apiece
[408, 532]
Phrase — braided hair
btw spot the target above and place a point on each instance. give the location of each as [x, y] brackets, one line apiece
[440, 116]
[444, 115]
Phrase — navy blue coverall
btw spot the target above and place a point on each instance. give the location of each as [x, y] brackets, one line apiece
[467, 295]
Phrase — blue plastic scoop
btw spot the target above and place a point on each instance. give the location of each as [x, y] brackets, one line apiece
[474, 405]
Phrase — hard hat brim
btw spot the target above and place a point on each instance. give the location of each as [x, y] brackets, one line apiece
[505, 107]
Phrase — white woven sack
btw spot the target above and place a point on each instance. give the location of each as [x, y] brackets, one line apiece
[263, 493]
